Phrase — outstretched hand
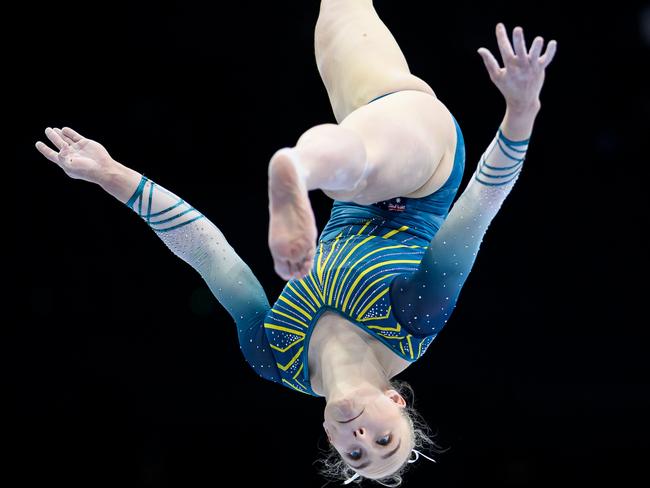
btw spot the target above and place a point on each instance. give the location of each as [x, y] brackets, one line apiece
[79, 157]
[520, 80]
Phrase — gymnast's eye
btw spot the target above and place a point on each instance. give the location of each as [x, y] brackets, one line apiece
[355, 455]
[384, 441]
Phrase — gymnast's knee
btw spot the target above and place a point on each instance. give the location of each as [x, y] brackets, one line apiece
[333, 146]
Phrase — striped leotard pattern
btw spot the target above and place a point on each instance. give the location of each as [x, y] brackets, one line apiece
[360, 251]
[394, 268]
[351, 276]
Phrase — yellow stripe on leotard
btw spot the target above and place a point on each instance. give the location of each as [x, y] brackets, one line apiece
[318, 288]
[293, 360]
[328, 257]
[363, 258]
[365, 290]
[284, 329]
[348, 278]
[338, 269]
[291, 317]
[313, 297]
[293, 386]
[395, 231]
[364, 226]
[296, 307]
[298, 372]
[304, 300]
[319, 271]
[372, 302]
[285, 349]
[329, 272]
[368, 270]
[397, 328]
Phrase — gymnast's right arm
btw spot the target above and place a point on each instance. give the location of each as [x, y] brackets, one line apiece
[184, 230]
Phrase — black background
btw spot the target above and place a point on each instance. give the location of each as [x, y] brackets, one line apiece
[121, 369]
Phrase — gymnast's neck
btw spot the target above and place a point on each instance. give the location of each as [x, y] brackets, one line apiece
[341, 361]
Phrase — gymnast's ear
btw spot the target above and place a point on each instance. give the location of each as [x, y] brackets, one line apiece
[396, 397]
[329, 439]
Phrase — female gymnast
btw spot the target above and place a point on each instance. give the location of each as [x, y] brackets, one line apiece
[366, 300]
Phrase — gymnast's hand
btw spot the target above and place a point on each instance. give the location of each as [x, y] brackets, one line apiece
[520, 80]
[80, 158]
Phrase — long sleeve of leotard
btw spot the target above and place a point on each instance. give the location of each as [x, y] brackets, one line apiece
[425, 299]
[198, 242]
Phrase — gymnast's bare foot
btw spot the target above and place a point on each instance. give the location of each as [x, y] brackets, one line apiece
[292, 226]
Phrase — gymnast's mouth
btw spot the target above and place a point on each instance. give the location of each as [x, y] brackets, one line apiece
[347, 421]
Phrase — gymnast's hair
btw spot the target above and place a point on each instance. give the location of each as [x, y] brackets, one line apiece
[334, 468]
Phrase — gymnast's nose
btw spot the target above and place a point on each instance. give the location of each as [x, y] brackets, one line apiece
[359, 432]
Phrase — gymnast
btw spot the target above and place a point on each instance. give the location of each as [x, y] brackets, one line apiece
[365, 299]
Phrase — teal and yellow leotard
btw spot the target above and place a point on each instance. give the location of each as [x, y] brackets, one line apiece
[393, 268]
[360, 251]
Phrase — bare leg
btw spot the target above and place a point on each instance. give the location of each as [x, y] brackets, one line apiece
[401, 145]
[329, 157]
[358, 57]
[393, 147]
[409, 136]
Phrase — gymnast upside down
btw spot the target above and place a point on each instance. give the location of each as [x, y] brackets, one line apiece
[365, 299]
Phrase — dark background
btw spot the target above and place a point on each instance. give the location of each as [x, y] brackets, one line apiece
[121, 369]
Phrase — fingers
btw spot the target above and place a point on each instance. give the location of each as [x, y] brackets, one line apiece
[48, 152]
[510, 54]
[507, 54]
[63, 136]
[55, 138]
[519, 44]
[546, 59]
[490, 62]
[536, 49]
[75, 136]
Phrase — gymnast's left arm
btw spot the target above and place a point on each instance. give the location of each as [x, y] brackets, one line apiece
[184, 230]
[430, 293]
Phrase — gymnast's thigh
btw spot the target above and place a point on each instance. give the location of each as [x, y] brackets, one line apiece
[406, 134]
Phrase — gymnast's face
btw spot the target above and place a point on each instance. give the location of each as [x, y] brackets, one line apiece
[369, 431]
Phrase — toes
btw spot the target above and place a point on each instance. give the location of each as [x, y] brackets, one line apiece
[288, 270]
[283, 269]
[289, 267]
[304, 267]
[292, 269]
[307, 264]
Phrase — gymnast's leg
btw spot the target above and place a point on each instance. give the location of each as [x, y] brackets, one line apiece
[391, 147]
[357, 56]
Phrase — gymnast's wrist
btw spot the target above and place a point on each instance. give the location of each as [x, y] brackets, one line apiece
[119, 180]
[524, 108]
[519, 120]
[110, 174]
